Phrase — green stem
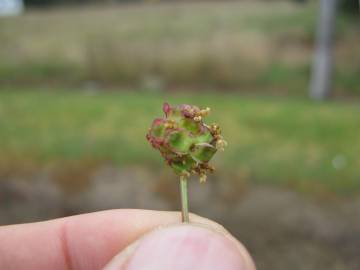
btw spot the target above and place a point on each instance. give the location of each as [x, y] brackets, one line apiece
[184, 199]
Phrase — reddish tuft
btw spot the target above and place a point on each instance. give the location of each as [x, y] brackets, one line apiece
[158, 121]
[166, 108]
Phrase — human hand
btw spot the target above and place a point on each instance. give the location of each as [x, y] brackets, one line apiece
[122, 239]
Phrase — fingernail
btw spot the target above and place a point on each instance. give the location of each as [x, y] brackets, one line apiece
[184, 247]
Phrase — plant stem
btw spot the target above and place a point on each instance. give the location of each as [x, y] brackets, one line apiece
[184, 199]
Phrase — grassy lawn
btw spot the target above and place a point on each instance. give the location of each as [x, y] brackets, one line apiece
[283, 141]
[241, 45]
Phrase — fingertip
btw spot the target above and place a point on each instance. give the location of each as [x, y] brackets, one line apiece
[185, 246]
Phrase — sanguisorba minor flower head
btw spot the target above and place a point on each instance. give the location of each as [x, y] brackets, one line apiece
[185, 141]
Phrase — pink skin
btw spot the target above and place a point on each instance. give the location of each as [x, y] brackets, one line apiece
[91, 241]
[186, 247]
[80, 242]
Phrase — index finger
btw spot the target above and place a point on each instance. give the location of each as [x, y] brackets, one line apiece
[86, 241]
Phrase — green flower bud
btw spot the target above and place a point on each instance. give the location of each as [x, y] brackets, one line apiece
[184, 140]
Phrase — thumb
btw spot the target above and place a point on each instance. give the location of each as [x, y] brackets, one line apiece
[182, 247]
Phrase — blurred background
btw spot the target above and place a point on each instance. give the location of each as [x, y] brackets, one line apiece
[81, 81]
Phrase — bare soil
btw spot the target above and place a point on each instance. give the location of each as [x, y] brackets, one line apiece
[281, 228]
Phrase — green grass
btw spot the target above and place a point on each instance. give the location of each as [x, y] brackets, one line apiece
[281, 141]
[265, 47]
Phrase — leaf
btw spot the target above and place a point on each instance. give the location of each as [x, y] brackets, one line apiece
[183, 165]
[179, 141]
[206, 137]
[203, 152]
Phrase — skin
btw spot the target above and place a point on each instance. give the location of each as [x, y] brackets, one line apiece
[90, 241]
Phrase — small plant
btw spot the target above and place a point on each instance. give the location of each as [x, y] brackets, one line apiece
[186, 143]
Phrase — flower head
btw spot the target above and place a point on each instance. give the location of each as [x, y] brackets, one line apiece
[185, 141]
